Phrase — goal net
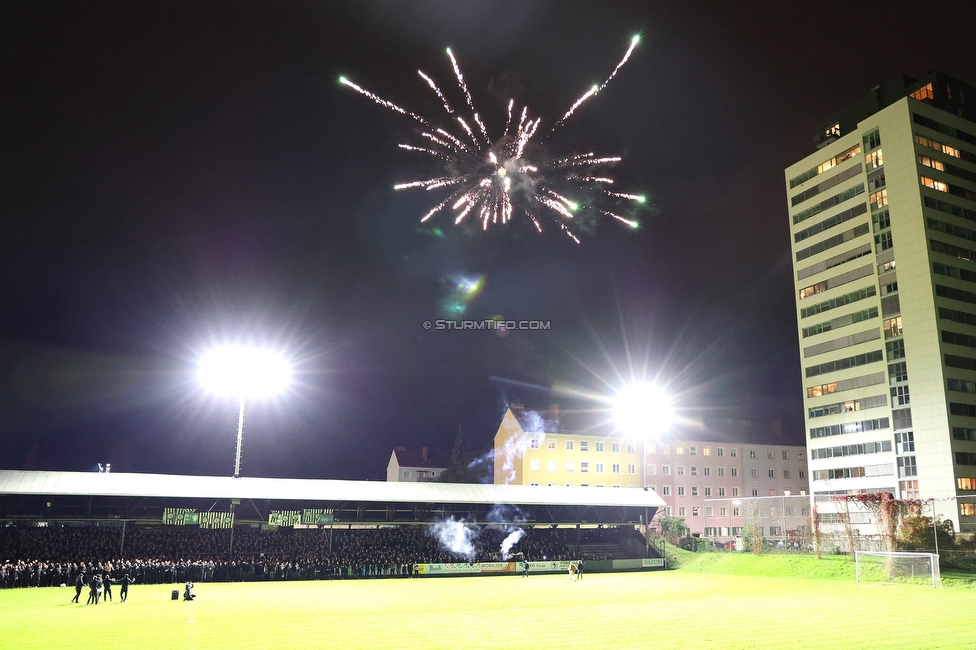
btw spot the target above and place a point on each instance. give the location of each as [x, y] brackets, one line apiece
[897, 567]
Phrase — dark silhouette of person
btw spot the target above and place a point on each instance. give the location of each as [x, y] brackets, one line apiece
[124, 590]
[79, 584]
[579, 569]
[188, 592]
[525, 568]
[107, 581]
[95, 589]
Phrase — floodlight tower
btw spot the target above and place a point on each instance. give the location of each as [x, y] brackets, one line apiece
[643, 411]
[243, 372]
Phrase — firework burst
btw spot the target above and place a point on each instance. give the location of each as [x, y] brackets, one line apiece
[495, 180]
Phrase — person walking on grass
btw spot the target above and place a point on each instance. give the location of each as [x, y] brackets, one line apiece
[79, 585]
[124, 590]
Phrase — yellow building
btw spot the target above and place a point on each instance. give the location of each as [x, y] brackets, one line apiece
[557, 457]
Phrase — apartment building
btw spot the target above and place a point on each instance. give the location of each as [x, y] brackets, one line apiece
[883, 230]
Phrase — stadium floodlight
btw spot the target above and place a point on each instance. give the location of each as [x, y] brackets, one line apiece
[643, 411]
[243, 372]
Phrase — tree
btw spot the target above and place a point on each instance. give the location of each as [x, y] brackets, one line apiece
[673, 528]
[466, 466]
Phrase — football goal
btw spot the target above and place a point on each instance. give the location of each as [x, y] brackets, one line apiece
[897, 567]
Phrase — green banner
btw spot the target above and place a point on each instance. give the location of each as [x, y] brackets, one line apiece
[180, 517]
[317, 516]
[216, 520]
[285, 517]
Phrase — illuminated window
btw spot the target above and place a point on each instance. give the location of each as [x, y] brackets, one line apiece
[772, 492]
[925, 92]
[873, 160]
[706, 451]
[892, 327]
[966, 483]
[551, 444]
[938, 146]
[934, 184]
[879, 199]
[930, 162]
[967, 509]
[679, 450]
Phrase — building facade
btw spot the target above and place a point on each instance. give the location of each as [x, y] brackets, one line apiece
[416, 465]
[883, 229]
[704, 482]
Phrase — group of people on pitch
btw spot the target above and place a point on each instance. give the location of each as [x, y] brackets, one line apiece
[100, 586]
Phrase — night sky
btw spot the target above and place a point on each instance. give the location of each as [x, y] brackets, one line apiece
[176, 175]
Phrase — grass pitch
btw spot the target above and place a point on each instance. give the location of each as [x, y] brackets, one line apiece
[675, 609]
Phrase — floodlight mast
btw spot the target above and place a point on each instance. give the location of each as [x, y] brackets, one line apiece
[240, 441]
[243, 372]
[643, 411]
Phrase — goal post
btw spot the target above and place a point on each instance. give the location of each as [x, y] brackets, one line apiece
[901, 567]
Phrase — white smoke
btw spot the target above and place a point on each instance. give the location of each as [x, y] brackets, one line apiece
[511, 541]
[533, 426]
[456, 536]
[506, 516]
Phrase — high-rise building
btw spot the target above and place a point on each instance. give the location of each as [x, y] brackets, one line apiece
[883, 227]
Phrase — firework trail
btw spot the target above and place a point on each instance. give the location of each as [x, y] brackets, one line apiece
[491, 181]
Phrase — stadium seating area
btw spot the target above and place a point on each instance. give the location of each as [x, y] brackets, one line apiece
[44, 556]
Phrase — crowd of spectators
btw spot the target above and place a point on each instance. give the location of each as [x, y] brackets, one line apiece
[33, 556]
